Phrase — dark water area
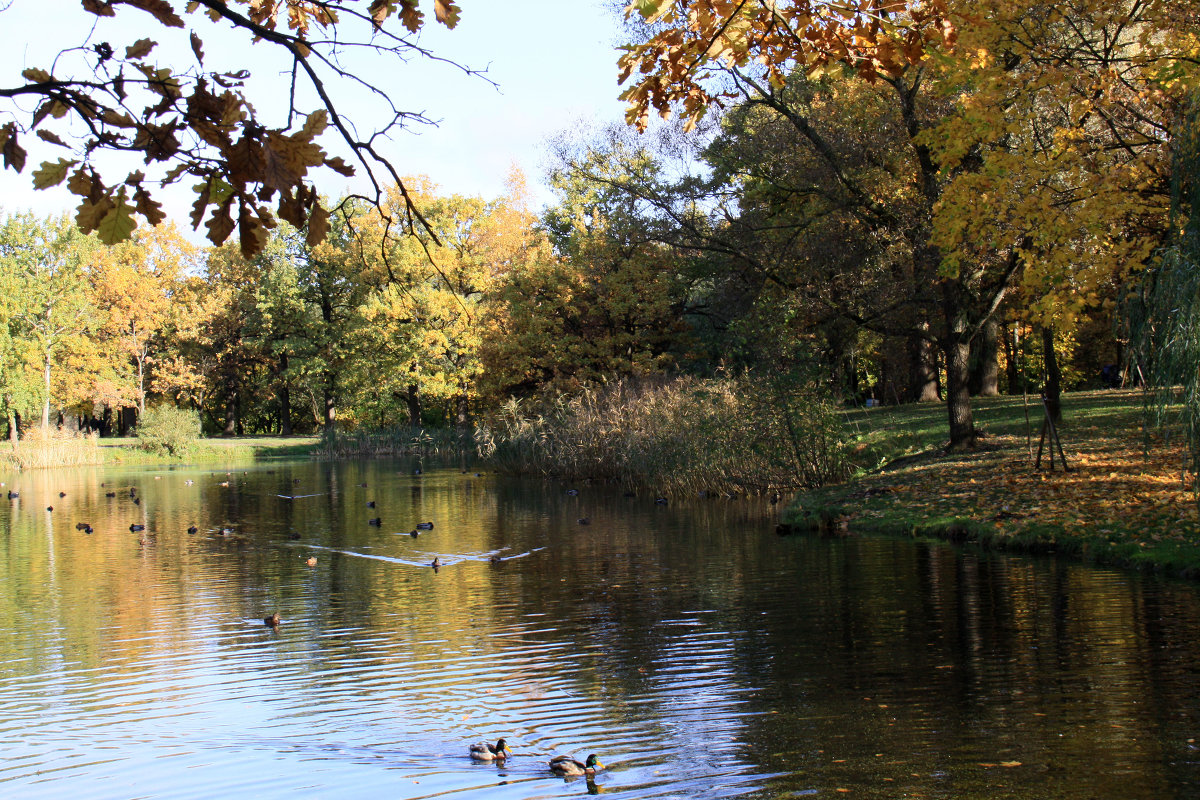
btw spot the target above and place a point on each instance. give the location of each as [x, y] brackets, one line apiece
[693, 650]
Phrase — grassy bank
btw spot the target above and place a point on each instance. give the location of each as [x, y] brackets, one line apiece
[1124, 502]
[36, 452]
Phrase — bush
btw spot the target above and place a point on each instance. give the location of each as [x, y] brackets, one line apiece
[748, 435]
[167, 430]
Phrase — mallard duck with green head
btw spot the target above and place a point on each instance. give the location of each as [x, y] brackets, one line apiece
[482, 751]
[568, 767]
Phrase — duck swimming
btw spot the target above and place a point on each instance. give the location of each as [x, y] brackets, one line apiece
[424, 526]
[271, 621]
[482, 751]
[568, 767]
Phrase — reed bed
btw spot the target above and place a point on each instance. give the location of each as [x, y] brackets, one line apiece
[675, 436]
[398, 441]
[52, 449]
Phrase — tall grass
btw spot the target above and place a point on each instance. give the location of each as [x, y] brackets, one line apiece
[675, 436]
[52, 449]
[398, 441]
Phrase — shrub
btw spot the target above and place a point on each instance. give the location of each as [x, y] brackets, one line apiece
[744, 435]
[167, 430]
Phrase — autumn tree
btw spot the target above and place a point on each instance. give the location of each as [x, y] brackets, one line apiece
[137, 286]
[152, 78]
[46, 263]
[980, 121]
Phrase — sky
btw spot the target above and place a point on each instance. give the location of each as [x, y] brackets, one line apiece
[553, 63]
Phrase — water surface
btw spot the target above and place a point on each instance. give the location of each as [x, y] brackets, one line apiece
[698, 654]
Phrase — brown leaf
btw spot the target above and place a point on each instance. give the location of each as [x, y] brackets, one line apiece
[197, 47]
[447, 12]
[89, 213]
[339, 166]
[140, 49]
[35, 75]
[98, 8]
[221, 224]
[80, 183]
[410, 15]
[51, 137]
[203, 193]
[318, 226]
[14, 154]
[314, 125]
[252, 233]
[161, 10]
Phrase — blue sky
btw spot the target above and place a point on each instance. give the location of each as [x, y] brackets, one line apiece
[554, 63]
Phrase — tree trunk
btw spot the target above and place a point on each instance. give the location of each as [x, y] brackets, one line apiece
[285, 398]
[462, 407]
[957, 346]
[46, 403]
[1011, 355]
[1053, 387]
[985, 366]
[231, 413]
[922, 372]
[13, 428]
[330, 403]
[414, 406]
[141, 365]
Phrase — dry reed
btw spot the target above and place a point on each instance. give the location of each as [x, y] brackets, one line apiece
[674, 436]
[52, 449]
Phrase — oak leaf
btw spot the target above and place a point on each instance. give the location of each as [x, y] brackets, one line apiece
[447, 12]
[51, 137]
[35, 75]
[197, 47]
[161, 10]
[51, 173]
[118, 224]
[318, 225]
[140, 49]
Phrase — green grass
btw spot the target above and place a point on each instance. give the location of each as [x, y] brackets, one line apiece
[1126, 502]
[224, 450]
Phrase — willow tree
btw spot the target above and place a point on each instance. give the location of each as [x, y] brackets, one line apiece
[1163, 311]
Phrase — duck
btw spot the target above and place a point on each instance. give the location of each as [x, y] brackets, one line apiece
[370, 504]
[436, 563]
[424, 526]
[363, 485]
[312, 561]
[376, 522]
[584, 521]
[134, 528]
[568, 767]
[495, 559]
[271, 621]
[193, 529]
[62, 494]
[414, 534]
[81, 525]
[49, 508]
[107, 494]
[482, 751]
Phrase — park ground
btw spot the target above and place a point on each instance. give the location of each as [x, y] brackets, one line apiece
[1125, 501]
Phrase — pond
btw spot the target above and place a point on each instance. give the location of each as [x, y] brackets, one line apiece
[693, 650]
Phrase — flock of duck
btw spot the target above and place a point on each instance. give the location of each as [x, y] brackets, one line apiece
[566, 766]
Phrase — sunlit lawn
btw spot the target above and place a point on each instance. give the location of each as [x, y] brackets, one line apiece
[1126, 498]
